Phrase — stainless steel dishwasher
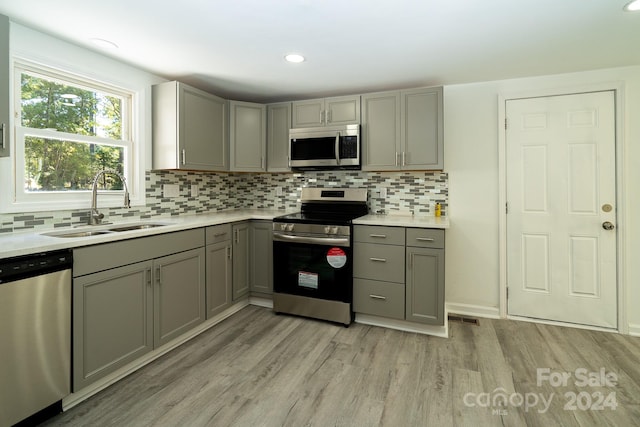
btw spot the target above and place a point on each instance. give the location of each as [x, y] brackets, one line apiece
[35, 335]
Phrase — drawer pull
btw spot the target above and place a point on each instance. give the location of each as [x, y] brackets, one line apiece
[378, 259]
[220, 234]
[381, 236]
[377, 297]
[425, 239]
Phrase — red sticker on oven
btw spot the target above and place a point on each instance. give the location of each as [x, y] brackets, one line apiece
[336, 257]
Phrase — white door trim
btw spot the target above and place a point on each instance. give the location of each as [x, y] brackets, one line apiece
[621, 192]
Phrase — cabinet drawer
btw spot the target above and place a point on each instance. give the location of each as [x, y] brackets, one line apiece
[379, 234]
[378, 298]
[425, 238]
[218, 233]
[379, 262]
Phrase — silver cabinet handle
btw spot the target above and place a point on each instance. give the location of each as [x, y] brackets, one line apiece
[322, 114]
[262, 163]
[396, 158]
[425, 239]
[3, 136]
[148, 274]
[220, 234]
[377, 297]
[159, 274]
[229, 252]
[184, 156]
[382, 236]
[403, 159]
[329, 116]
[378, 259]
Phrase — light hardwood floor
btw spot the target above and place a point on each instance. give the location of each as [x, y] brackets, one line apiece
[260, 369]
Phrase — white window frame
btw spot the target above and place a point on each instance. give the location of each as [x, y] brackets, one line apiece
[23, 201]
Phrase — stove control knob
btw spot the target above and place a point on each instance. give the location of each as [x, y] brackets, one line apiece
[289, 227]
[283, 227]
[327, 229]
[334, 230]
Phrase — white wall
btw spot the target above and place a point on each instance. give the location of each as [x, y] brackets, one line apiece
[471, 159]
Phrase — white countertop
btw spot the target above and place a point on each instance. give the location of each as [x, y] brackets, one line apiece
[24, 243]
[404, 221]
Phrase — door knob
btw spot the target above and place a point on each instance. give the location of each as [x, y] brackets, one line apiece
[608, 225]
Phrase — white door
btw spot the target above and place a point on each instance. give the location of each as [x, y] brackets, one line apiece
[561, 254]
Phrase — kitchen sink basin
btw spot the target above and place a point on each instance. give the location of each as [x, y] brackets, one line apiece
[135, 227]
[103, 230]
[70, 234]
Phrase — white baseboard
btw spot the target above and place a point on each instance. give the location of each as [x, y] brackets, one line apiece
[473, 310]
[401, 325]
[81, 395]
[634, 330]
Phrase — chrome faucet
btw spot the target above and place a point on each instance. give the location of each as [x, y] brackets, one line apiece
[95, 217]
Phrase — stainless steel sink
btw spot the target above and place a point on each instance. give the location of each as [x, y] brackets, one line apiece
[135, 227]
[78, 233]
[103, 230]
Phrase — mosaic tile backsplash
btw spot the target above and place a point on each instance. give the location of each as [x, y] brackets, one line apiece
[407, 192]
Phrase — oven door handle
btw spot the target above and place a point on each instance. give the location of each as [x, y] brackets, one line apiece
[328, 241]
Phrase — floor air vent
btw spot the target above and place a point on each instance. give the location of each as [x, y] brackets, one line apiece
[463, 319]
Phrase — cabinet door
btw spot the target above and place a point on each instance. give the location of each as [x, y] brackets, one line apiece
[342, 110]
[4, 86]
[240, 260]
[309, 113]
[218, 277]
[179, 295]
[425, 286]
[247, 136]
[261, 257]
[422, 129]
[278, 125]
[202, 130]
[381, 131]
[112, 320]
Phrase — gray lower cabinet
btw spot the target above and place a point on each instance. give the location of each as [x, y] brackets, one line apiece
[179, 294]
[112, 320]
[241, 257]
[399, 273]
[132, 296]
[219, 269]
[261, 262]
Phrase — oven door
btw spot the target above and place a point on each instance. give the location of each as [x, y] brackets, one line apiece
[313, 270]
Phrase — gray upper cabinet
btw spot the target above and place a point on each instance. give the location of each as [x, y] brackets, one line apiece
[189, 129]
[340, 110]
[4, 87]
[247, 136]
[278, 125]
[403, 130]
[380, 131]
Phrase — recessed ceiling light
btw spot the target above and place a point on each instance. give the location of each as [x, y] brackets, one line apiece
[105, 44]
[294, 57]
[633, 6]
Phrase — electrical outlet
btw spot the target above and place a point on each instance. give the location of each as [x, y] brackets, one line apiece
[383, 193]
[170, 190]
[194, 190]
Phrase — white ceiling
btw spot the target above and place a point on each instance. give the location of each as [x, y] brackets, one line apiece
[235, 48]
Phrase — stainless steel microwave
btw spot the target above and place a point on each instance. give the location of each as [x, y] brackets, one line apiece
[329, 147]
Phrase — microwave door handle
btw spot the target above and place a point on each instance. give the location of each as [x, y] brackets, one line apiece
[337, 148]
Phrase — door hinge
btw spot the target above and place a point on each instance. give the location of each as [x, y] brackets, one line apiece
[505, 124]
[507, 292]
[506, 208]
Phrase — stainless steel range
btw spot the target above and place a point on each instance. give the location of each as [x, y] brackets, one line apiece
[312, 254]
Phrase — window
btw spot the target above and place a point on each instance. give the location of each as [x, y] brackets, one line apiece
[67, 129]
